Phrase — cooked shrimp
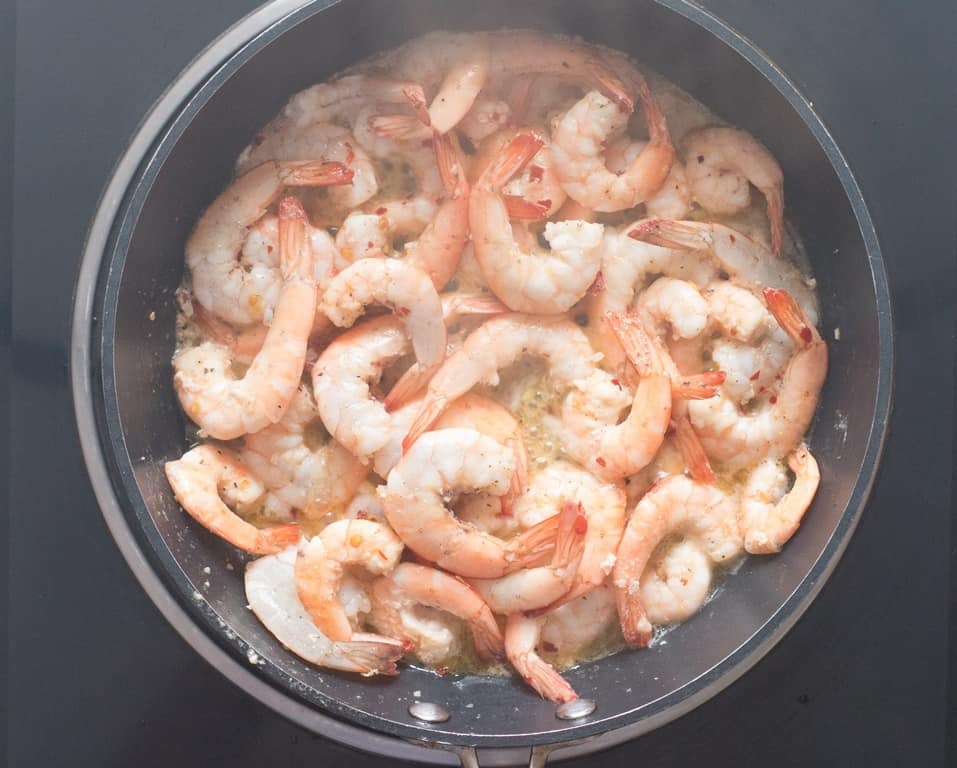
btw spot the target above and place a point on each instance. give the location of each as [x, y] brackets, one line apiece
[221, 282]
[746, 260]
[495, 345]
[491, 418]
[205, 479]
[674, 304]
[676, 582]
[537, 587]
[676, 505]
[522, 636]
[579, 138]
[451, 461]
[453, 66]
[595, 436]
[673, 200]
[535, 191]
[523, 275]
[603, 505]
[411, 585]
[720, 163]
[769, 515]
[271, 594]
[579, 623]
[322, 561]
[486, 116]
[740, 440]
[302, 468]
[226, 407]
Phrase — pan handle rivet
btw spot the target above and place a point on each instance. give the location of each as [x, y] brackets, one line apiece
[428, 712]
[572, 710]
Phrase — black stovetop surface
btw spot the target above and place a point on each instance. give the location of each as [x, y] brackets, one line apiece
[97, 677]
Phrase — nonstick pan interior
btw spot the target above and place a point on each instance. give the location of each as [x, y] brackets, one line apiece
[141, 426]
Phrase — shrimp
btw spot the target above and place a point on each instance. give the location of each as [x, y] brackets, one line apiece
[747, 261]
[676, 582]
[578, 145]
[221, 283]
[522, 636]
[226, 407]
[446, 462]
[321, 564]
[595, 437]
[673, 200]
[495, 420]
[495, 345]
[455, 66]
[522, 274]
[532, 588]
[676, 505]
[282, 142]
[271, 594]
[205, 479]
[411, 585]
[675, 303]
[740, 440]
[720, 163]
[300, 466]
[769, 517]
[535, 192]
[486, 116]
[371, 235]
[603, 505]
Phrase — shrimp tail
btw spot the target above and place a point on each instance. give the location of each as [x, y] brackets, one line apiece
[535, 546]
[548, 684]
[775, 198]
[486, 636]
[458, 304]
[373, 654]
[519, 482]
[450, 165]
[399, 127]
[316, 174]
[526, 210]
[791, 317]
[517, 97]
[570, 539]
[636, 342]
[408, 386]
[692, 450]
[635, 627]
[432, 408]
[522, 148]
[601, 75]
[667, 233]
[292, 238]
[699, 386]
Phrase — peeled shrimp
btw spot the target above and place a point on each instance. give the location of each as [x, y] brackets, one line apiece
[446, 462]
[676, 505]
[720, 163]
[578, 145]
[532, 588]
[321, 564]
[603, 505]
[676, 583]
[221, 283]
[769, 516]
[774, 429]
[523, 275]
[205, 479]
[673, 200]
[271, 594]
[302, 468]
[411, 585]
[226, 407]
[579, 623]
[746, 260]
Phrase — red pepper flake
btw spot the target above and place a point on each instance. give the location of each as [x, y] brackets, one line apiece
[773, 399]
[616, 383]
[761, 390]
[806, 334]
[600, 461]
[755, 375]
[403, 311]
[581, 525]
[381, 211]
[549, 647]
[536, 172]
[268, 249]
[733, 238]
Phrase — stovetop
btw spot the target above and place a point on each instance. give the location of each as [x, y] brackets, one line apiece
[96, 676]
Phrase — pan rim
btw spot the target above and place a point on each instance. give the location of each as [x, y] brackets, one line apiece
[196, 84]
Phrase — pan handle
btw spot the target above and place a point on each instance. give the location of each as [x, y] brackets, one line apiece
[537, 759]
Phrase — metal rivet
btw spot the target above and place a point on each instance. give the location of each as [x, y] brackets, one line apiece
[428, 712]
[572, 710]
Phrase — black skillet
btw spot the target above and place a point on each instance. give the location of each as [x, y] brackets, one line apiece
[130, 423]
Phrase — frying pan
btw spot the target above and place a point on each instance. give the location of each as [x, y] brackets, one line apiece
[130, 424]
